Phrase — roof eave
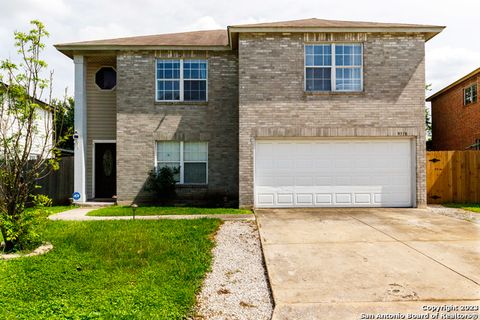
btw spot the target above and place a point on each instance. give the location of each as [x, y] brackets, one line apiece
[429, 31]
[70, 49]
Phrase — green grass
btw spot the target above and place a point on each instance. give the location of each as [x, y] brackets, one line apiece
[150, 211]
[57, 209]
[110, 270]
[475, 207]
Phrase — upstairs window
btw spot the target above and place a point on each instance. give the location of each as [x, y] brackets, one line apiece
[470, 95]
[181, 80]
[334, 67]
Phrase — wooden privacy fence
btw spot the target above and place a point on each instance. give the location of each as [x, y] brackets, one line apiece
[453, 176]
[58, 185]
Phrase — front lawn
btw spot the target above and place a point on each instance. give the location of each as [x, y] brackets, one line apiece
[56, 209]
[152, 211]
[475, 207]
[110, 270]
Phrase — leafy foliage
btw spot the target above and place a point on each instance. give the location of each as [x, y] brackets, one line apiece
[162, 182]
[64, 123]
[27, 115]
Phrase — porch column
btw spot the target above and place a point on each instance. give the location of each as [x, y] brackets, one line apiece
[80, 128]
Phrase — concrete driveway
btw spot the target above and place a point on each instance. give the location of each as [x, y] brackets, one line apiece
[342, 263]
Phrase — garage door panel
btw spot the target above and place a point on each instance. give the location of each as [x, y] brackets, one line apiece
[363, 198]
[357, 172]
[285, 198]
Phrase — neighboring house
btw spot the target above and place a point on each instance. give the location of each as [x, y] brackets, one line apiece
[299, 113]
[42, 139]
[456, 115]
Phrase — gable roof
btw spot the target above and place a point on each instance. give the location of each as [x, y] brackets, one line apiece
[224, 39]
[450, 86]
[196, 38]
[323, 23]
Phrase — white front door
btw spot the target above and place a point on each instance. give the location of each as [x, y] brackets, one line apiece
[334, 173]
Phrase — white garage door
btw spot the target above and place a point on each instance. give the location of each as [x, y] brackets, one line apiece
[333, 173]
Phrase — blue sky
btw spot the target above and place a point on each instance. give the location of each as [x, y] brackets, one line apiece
[450, 55]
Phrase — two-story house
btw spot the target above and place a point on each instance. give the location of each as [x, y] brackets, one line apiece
[308, 113]
[456, 115]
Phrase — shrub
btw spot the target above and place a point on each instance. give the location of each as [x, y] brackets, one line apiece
[23, 230]
[162, 182]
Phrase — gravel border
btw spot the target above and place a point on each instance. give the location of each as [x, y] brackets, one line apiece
[44, 248]
[237, 287]
[456, 213]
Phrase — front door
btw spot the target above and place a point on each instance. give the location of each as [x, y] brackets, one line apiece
[105, 170]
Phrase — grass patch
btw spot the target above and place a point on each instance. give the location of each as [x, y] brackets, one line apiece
[56, 209]
[475, 207]
[152, 211]
[110, 270]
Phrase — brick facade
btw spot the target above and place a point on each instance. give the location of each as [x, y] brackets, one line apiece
[141, 122]
[455, 126]
[258, 92]
[273, 102]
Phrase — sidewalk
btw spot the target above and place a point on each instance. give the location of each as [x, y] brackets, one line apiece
[80, 214]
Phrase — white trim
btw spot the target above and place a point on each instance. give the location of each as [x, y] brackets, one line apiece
[80, 124]
[414, 171]
[181, 81]
[182, 163]
[93, 161]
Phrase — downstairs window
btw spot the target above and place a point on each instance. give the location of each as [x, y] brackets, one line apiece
[188, 160]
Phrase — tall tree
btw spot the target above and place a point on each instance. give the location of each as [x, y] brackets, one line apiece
[27, 115]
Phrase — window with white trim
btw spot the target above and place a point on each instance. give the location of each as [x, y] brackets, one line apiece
[334, 67]
[188, 160]
[181, 80]
[470, 95]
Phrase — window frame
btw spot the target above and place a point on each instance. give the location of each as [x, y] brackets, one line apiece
[181, 79]
[182, 161]
[470, 87]
[333, 77]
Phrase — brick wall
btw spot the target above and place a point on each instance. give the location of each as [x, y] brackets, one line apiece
[141, 121]
[273, 102]
[455, 126]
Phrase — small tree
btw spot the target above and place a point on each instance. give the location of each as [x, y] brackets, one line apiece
[26, 125]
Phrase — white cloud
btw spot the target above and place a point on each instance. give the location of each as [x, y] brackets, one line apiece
[205, 23]
[447, 64]
[95, 32]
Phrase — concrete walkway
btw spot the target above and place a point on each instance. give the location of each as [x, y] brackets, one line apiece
[80, 214]
[342, 263]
